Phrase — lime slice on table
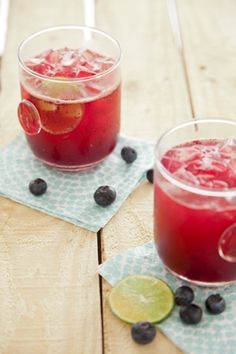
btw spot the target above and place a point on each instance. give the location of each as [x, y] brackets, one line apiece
[141, 298]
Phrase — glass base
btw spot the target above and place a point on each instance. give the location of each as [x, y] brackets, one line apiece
[200, 283]
[73, 168]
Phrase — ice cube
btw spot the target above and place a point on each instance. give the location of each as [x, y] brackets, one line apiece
[233, 165]
[218, 184]
[53, 58]
[94, 61]
[205, 178]
[208, 181]
[207, 165]
[82, 71]
[228, 148]
[231, 141]
[93, 89]
[217, 166]
[68, 58]
[44, 69]
[34, 61]
[183, 154]
[232, 173]
[171, 164]
[105, 60]
[88, 56]
[103, 63]
[186, 176]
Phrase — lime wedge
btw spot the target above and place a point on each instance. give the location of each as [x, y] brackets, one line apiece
[59, 89]
[141, 298]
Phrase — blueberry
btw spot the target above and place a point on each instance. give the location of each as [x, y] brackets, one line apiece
[143, 332]
[184, 295]
[38, 186]
[149, 175]
[215, 304]
[190, 314]
[104, 195]
[128, 154]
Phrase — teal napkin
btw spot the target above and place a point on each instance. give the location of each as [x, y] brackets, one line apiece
[70, 195]
[215, 334]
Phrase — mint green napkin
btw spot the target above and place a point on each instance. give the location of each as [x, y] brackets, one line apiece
[70, 195]
[215, 334]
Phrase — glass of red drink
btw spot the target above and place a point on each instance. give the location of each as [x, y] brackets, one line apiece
[70, 89]
[195, 201]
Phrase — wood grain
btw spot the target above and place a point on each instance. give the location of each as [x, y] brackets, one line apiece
[49, 287]
[154, 98]
[154, 89]
[209, 37]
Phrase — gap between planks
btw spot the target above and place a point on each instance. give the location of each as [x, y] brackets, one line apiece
[176, 27]
[99, 249]
[181, 51]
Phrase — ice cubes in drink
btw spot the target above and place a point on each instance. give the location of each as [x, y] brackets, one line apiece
[208, 164]
[84, 61]
[186, 176]
[65, 63]
[178, 156]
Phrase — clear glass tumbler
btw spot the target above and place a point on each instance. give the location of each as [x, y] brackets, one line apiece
[195, 201]
[70, 87]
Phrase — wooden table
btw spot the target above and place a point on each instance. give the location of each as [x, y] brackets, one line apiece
[51, 298]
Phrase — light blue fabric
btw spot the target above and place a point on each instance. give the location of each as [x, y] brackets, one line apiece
[70, 195]
[215, 334]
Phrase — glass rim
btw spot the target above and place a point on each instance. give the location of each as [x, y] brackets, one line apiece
[231, 192]
[68, 27]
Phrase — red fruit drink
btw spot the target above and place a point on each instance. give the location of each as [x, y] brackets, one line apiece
[195, 233]
[75, 129]
[70, 108]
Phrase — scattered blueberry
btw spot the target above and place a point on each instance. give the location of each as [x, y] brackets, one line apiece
[143, 332]
[215, 304]
[149, 175]
[128, 154]
[184, 295]
[190, 314]
[104, 196]
[38, 186]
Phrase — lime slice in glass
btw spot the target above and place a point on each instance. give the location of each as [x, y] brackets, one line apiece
[141, 298]
[60, 89]
[64, 118]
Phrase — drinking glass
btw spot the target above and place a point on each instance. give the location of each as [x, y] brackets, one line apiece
[195, 201]
[70, 88]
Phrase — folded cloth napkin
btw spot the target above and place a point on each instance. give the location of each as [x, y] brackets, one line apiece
[215, 334]
[70, 195]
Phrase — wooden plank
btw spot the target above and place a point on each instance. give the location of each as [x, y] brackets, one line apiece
[154, 91]
[49, 287]
[154, 98]
[209, 32]
[24, 19]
